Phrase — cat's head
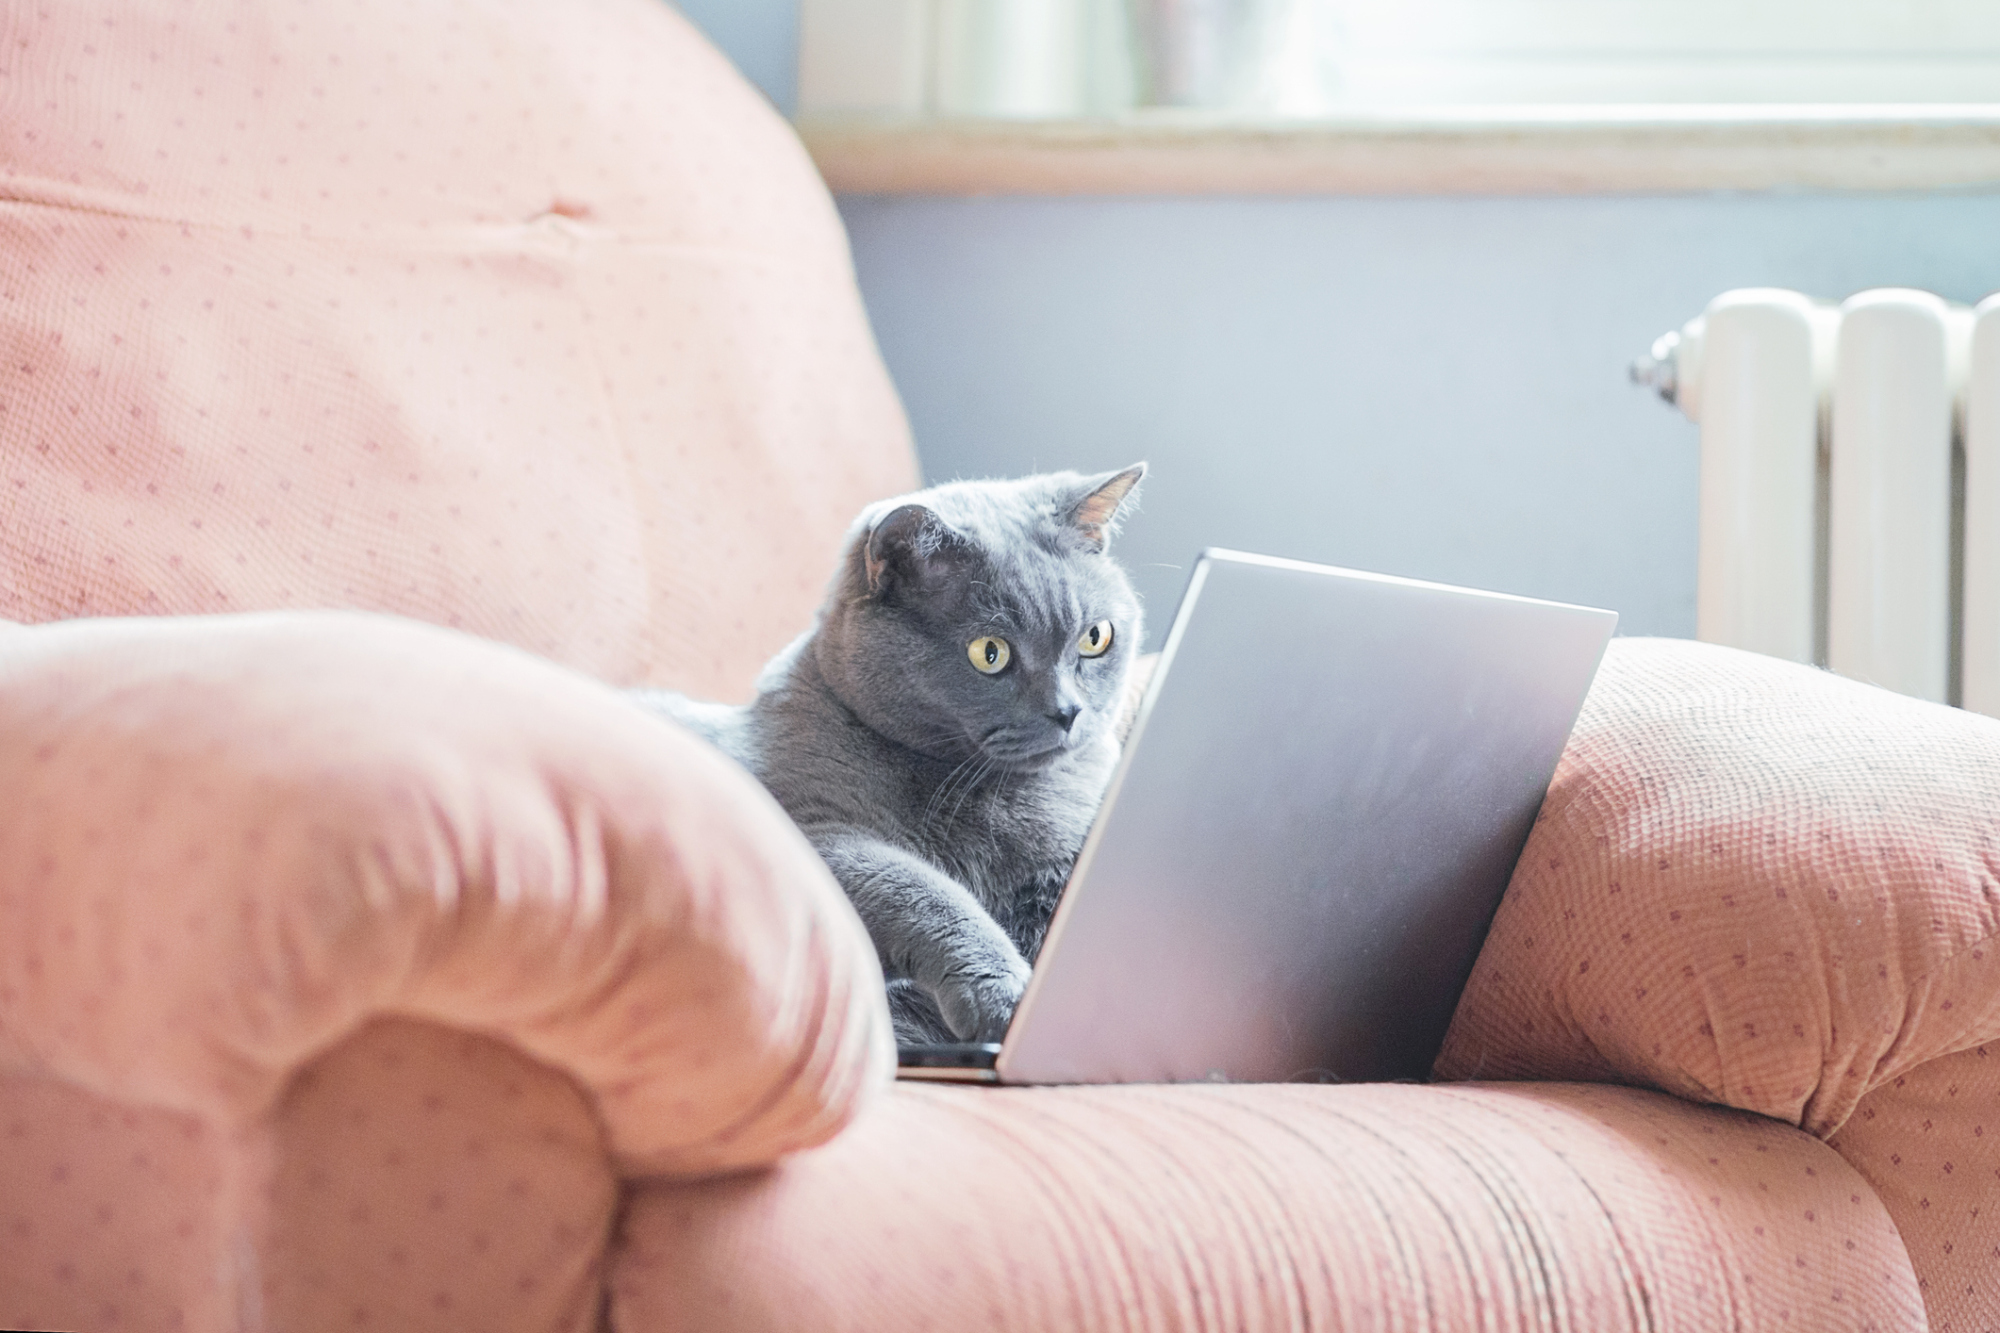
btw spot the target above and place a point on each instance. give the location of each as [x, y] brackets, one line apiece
[986, 618]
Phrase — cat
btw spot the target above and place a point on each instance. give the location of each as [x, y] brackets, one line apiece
[944, 732]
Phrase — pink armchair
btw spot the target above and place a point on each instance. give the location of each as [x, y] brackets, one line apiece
[357, 972]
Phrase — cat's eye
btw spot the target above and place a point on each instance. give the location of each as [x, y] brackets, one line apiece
[989, 654]
[1096, 640]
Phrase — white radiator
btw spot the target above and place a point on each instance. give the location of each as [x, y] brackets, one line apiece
[1850, 483]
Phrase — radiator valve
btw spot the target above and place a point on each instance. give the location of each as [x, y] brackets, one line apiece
[1660, 368]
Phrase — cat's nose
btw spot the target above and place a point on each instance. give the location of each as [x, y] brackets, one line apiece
[1065, 716]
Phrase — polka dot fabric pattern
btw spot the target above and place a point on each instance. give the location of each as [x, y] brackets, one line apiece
[531, 319]
[1257, 1209]
[349, 962]
[1762, 886]
[110, 1214]
[1924, 1142]
[467, 1183]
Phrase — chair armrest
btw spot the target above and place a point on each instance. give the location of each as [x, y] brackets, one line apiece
[226, 843]
[1752, 883]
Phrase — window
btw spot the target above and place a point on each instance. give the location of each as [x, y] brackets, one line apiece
[1444, 51]
[1058, 58]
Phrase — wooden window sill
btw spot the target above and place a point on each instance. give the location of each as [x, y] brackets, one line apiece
[1510, 150]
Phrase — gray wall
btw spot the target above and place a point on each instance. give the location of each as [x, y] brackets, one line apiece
[761, 36]
[1432, 387]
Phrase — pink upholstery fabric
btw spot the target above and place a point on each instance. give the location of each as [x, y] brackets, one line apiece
[110, 1213]
[1764, 886]
[237, 849]
[412, 1178]
[1254, 1209]
[346, 966]
[524, 316]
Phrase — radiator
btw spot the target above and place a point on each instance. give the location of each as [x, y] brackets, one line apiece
[1850, 483]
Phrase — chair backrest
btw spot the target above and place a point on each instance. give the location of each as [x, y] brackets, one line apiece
[528, 317]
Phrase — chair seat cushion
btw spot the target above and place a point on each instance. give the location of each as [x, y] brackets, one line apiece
[1275, 1208]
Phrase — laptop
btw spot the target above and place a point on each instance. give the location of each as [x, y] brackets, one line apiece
[1328, 782]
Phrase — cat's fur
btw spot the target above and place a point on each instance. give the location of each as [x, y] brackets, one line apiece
[950, 804]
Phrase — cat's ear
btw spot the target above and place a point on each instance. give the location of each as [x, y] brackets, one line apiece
[911, 545]
[1095, 515]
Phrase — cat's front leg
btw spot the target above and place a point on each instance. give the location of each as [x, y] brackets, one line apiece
[914, 1015]
[1027, 913]
[929, 928]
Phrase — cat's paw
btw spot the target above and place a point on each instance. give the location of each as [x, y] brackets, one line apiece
[978, 1006]
[914, 1015]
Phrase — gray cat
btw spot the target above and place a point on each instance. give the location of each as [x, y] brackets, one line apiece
[944, 732]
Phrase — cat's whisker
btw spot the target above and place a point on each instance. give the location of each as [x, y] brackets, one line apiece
[944, 788]
[985, 766]
[931, 805]
[961, 779]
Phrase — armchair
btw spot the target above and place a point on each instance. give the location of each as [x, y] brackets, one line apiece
[383, 384]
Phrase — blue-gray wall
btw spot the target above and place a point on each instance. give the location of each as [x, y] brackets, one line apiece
[1429, 386]
[761, 36]
[1432, 387]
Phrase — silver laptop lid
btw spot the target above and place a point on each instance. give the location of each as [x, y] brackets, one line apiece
[1322, 800]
